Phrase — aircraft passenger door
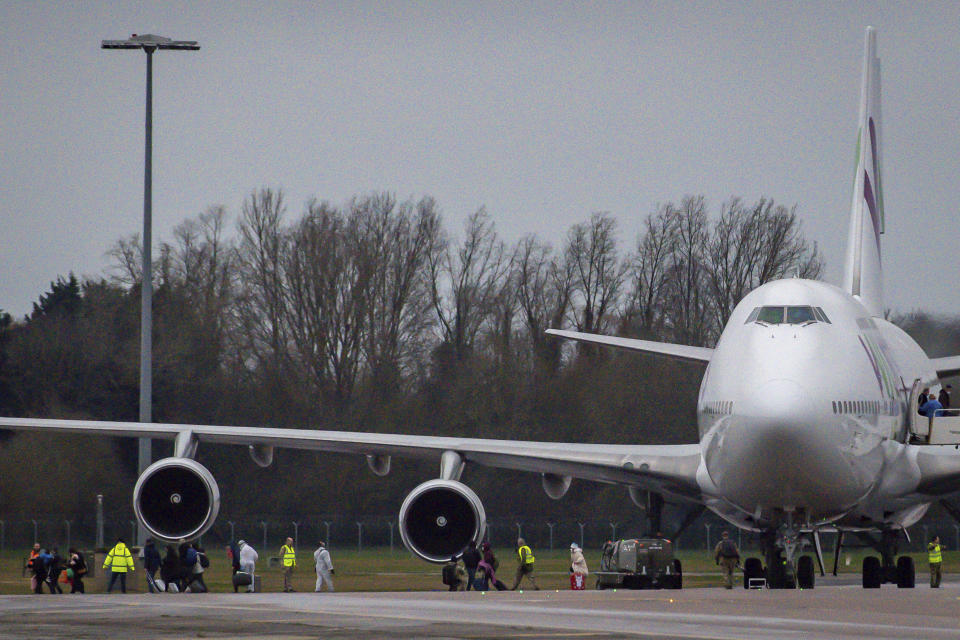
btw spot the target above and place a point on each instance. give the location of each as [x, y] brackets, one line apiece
[919, 425]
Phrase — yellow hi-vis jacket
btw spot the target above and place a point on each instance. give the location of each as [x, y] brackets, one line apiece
[119, 559]
[288, 556]
[935, 556]
[525, 555]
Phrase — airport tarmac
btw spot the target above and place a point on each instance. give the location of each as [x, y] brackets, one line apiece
[835, 611]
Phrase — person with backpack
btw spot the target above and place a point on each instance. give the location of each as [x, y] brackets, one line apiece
[41, 568]
[194, 579]
[54, 568]
[727, 556]
[454, 575]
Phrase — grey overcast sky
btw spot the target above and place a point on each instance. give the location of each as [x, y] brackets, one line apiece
[541, 111]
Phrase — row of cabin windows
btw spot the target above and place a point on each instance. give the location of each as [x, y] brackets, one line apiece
[865, 407]
[724, 407]
[787, 315]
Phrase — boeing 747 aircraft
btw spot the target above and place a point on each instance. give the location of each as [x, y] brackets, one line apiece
[806, 414]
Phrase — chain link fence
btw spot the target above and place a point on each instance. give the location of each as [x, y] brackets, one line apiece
[360, 532]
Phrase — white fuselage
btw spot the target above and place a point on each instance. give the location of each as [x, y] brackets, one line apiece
[800, 416]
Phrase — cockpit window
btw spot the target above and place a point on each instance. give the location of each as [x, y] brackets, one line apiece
[770, 315]
[799, 315]
[787, 315]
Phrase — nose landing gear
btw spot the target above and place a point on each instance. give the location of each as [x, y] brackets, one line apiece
[785, 567]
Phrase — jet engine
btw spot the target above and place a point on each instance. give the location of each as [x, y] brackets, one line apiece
[176, 498]
[439, 517]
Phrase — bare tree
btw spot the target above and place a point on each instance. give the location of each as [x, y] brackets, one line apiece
[687, 320]
[648, 273]
[398, 312]
[598, 274]
[466, 282]
[544, 287]
[329, 268]
[753, 245]
[260, 335]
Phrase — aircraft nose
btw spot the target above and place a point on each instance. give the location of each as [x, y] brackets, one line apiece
[775, 451]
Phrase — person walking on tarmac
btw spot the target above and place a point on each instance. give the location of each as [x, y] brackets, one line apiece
[936, 561]
[288, 560]
[151, 564]
[727, 556]
[471, 559]
[525, 562]
[324, 567]
[248, 562]
[119, 561]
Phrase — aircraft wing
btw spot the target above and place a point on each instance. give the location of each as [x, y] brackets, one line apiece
[939, 470]
[679, 351]
[946, 367]
[667, 469]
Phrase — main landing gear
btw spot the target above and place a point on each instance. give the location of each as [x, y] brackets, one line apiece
[887, 568]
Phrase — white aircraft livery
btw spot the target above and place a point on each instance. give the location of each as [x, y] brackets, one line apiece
[807, 416]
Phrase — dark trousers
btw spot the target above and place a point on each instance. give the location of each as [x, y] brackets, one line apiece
[935, 574]
[123, 581]
[195, 577]
[471, 574]
[52, 585]
[76, 585]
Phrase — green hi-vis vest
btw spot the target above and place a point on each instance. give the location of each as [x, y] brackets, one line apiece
[934, 550]
[288, 556]
[529, 555]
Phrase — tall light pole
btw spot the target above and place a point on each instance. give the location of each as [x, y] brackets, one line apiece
[149, 43]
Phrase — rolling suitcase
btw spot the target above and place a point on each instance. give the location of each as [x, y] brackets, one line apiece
[577, 581]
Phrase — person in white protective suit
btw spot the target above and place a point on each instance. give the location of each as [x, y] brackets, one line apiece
[324, 566]
[248, 561]
[578, 564]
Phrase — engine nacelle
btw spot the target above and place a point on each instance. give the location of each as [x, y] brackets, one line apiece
[176, 498]
[439, 518]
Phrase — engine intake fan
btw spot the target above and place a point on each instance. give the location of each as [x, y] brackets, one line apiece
[439, 517]
[176, 498]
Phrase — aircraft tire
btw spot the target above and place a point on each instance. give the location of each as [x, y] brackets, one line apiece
[906, 573]
[806, 577]
[872, 572]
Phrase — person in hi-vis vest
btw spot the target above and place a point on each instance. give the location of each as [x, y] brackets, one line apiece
[288, 561]
[525, 561]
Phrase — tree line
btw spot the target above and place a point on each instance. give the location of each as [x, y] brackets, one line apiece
[372, 315]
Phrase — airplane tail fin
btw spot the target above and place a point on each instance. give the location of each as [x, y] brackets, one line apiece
[862, 272]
